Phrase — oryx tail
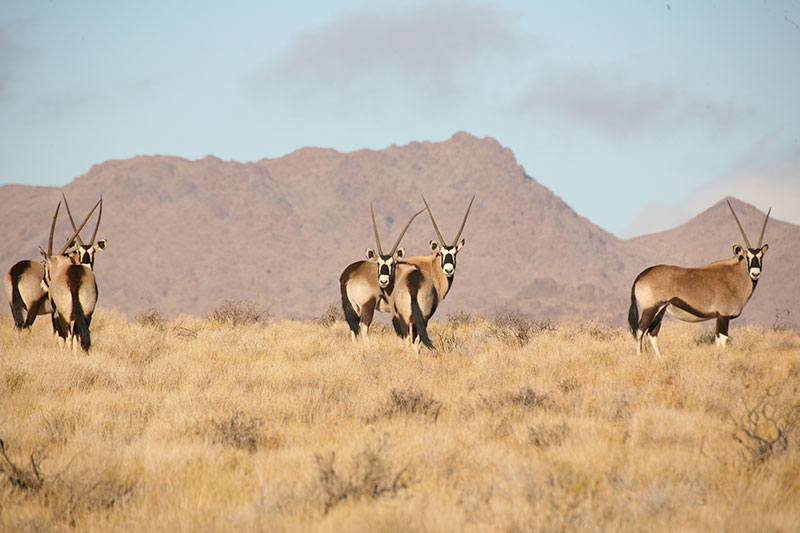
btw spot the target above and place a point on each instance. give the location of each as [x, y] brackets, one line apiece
[81, 327]
[633, 312]
[420, 321]
[18, 307]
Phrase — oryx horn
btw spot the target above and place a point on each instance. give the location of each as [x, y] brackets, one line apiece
[375, 229]
[99, 216]
[746, 242]
[400, 237]
[71, 239]
[761, 237]
[397, 242]
[71, 220]
[439, 233]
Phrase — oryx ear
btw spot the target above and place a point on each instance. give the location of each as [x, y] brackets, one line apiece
[434, 246]
[738, 250]
[460, 245]
[764, 248]
[101, 244]
[399, 254]
[41, 251]
[371, 255]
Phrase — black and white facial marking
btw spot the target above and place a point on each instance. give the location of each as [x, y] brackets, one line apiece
[386, 264]
[85, 252]
[448, 256]
[754, 258]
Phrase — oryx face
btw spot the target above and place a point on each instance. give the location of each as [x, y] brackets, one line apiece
[85, 252]
[754, 258]
[447, 256]
[386, 265]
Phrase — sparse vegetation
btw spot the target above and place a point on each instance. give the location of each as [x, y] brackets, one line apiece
[512, 425]
[239, 313]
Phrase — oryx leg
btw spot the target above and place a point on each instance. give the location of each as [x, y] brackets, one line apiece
[33, 311]
[721, 334]
[367, 311]
[646, 322]
[61, 328]
[655, 327]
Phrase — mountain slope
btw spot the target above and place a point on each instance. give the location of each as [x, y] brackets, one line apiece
[185, 235]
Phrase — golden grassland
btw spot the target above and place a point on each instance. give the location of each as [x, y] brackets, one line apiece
[197, 424]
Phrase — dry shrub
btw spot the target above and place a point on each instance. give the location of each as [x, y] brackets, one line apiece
[239, 313]
[460, 318]
[240, 431]
[516, 328]
[526, 398]
[781, 322]
[330, 315]
[543, 436]
[27, 478]
[764, 429]
[371, 476]
[411, 403]
[153, 318]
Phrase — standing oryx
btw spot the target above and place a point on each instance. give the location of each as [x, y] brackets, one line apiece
[440, 264]
[365, 284]
[719, 291]
[418, 290]
[23, 282]
[85, 252]
[72, 290]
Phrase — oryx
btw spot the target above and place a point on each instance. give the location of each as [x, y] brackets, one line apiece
[440, 264]
[27, 297]
[365, 284]
[72, 290]
[412, 303]
[716, 291]
[85, 252]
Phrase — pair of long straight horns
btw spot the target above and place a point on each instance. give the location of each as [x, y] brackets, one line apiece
[77, 230]
[397, 242]
[72, 220]
[439, 233]
[763, 227]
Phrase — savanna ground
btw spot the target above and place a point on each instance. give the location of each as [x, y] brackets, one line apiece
[236, 422]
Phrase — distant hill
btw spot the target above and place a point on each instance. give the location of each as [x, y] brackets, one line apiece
[186, 235]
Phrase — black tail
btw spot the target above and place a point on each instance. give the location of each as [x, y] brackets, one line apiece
[17, 305]
[633, 312]
[81, 327]
[350, 314]
[420, 321]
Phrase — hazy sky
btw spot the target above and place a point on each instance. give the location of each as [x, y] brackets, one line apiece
[637, 113]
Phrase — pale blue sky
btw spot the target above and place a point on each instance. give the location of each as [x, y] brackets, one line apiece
[638, 114]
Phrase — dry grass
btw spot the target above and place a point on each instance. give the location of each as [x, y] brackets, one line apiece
[206, 425]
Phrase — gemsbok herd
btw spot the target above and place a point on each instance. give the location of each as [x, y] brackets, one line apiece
[410, 288]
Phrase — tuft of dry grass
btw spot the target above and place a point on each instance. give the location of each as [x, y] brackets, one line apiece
[511, 425]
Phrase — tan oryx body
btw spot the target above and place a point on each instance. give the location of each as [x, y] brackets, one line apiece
[440, 264]
[717, 291]
[365, 284]
[72, 290]
[412, 303]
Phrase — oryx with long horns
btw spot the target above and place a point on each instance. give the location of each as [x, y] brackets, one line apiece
[440, 264]
[365, 285]
[27, 296]
[717, 291]
[85, 252]
[72, 290]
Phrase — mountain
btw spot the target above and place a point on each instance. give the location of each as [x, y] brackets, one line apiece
[186, 235]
